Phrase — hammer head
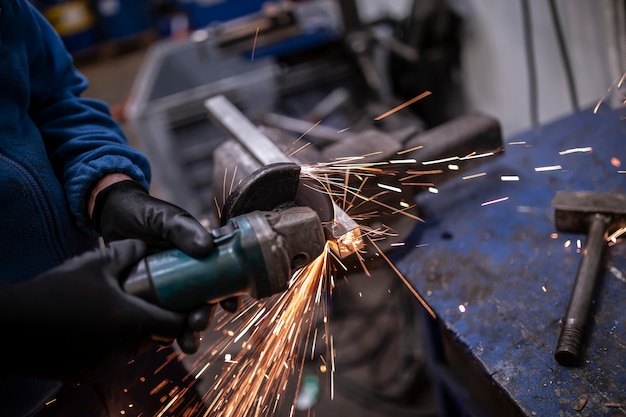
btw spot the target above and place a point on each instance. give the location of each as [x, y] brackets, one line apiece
[573, 208]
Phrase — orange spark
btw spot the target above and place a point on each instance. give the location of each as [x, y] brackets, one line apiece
[410, 150]
[307, 131]
[469, 177]
[405, 281]
[256, 36]
[403, 105]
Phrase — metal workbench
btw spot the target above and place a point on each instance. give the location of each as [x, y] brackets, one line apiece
[499, 277]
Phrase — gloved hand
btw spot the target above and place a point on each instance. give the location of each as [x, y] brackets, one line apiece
[75, 320]
[125, 210]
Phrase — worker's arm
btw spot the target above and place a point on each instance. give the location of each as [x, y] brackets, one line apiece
[89, 151]
[74, 321]
[90, 154]
[83, 142]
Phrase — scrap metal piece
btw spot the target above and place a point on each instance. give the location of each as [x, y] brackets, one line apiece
[346, 234]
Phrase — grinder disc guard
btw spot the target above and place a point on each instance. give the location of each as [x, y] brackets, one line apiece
[274, 186]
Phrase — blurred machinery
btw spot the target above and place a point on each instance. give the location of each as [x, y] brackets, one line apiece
[286, 66]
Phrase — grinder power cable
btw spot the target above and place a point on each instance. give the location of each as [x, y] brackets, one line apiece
[265, 235]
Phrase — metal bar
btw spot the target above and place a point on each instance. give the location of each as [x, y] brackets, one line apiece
[569, 345]
[231, 120]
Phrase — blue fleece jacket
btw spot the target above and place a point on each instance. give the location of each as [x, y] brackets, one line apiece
[54, 147]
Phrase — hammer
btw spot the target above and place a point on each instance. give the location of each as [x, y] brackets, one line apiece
[597, 214]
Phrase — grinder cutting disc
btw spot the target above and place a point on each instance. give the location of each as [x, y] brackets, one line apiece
[272, 187]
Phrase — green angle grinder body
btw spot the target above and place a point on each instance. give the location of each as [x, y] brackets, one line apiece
[264, 237]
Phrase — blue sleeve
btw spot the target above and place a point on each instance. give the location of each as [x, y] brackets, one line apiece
[83, 141]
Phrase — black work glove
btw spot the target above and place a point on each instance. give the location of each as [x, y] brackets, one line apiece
[74, 321]
[125, 210]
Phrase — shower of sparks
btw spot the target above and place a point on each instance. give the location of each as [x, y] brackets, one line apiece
[281, 332]
[498, 200]
[258, 363]
[276, 332]
[403, 105]
[548, 168]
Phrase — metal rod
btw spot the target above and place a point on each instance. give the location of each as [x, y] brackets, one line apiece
[569, 344]
[231, 120]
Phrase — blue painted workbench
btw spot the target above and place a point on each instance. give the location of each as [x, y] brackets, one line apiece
[499, 279]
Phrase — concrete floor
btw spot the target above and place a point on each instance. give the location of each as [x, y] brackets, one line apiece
[378, 346]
